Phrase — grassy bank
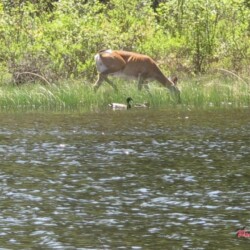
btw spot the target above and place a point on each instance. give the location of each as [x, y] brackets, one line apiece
[195, 93]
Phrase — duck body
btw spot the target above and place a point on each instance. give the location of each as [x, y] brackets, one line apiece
[121, 106]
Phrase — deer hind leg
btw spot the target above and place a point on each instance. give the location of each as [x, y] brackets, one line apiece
[111, 84]
[98, 82]
[101, 78]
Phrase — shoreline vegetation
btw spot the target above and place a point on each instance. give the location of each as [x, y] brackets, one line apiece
[196, 93]
[47, 51]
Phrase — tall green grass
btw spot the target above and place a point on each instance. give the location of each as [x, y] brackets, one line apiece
[195, 93]
[216, 93]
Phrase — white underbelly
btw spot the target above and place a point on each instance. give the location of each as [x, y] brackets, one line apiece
[121, 74]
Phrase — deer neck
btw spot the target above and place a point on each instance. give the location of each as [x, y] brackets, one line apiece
[160, 77]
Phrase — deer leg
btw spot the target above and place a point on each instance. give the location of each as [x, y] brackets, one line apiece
[99, 81]
[146, 86]
[101, 78]
[111, 84]
[140, 82]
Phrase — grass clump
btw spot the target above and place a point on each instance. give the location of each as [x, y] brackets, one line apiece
[217, 93]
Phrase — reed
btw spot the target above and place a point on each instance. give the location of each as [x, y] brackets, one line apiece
[195, 93]
[220, 93]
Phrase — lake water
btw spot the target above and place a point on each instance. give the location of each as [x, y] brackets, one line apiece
[137, 179]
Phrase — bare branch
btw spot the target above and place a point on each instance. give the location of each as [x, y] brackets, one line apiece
[34, 74]
[232, 74]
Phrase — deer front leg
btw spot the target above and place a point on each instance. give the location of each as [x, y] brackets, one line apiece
[140, 82]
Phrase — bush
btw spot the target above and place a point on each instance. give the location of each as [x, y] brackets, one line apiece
[57, 40]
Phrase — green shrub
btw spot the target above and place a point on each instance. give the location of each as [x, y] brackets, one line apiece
[56, 40]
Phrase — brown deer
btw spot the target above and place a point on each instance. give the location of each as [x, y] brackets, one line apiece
[132, 66]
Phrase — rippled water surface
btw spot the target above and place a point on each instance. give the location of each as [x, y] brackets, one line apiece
[146, 179]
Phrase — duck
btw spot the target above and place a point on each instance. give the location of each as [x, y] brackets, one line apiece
[142, 105]
[119, 106]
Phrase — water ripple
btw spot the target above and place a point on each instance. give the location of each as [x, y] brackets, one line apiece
[94, 181]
